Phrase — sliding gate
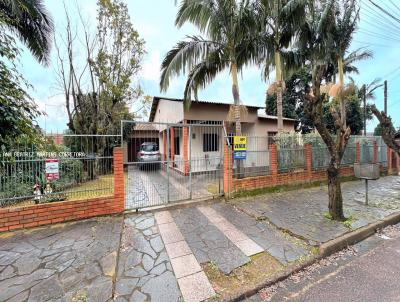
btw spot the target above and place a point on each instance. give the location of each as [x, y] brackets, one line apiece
[166, 163]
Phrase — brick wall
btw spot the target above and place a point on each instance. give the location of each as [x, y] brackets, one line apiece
[48, 213]
[297, 177]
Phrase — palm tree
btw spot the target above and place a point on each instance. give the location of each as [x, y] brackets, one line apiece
[279, 22]
[30, 21]
[346, 17]
[227, 26]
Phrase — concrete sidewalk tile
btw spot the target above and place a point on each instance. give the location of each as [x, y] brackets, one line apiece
[185, 265]
[171, 236]
[249, 247]
[177, 249]
[196, 288]
[163, 217]
[234, 234]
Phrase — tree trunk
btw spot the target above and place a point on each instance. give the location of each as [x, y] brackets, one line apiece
[341, 99]
[335, 193]
[279, 92]
[238, 125]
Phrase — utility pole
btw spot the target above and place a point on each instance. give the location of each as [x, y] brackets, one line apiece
[365, 109]
[385, 96]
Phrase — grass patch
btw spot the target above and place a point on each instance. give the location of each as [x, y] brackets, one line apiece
[349, 222]
[245, 277]
[286, 188]
[328, 215]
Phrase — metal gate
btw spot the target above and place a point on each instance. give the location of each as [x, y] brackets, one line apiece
[166, 163]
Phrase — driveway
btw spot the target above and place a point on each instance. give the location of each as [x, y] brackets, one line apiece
[152, 187]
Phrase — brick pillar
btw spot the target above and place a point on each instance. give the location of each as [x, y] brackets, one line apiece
[119, 183]
[228, 184]
[308, 154]
[185, 131]
[172, 144]
[357, 152]
[375, 153]
[164, 135]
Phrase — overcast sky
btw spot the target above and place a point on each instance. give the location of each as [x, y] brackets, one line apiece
[154, 20]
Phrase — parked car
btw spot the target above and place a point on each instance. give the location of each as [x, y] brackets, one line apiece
[149, 156]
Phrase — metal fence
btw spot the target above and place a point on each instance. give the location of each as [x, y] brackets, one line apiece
[257, 162]
[171, 162]
[291, 159]
[82, 167]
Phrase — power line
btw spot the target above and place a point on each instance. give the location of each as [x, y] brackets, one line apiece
[385, 11]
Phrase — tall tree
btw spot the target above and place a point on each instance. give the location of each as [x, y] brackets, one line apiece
[227, 26]
[279, 20]
[32, 24]
[102, 83]
[316, 41]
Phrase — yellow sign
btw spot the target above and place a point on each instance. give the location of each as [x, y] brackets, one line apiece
[239, 143]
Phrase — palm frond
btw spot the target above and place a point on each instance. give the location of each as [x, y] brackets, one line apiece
[184, 56]
[203, 74]
[31, 22]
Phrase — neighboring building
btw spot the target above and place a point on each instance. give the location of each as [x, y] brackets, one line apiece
[206, 137]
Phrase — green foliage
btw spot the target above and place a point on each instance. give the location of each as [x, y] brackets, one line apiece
[354, 117]
[30, 21]
[17, 109]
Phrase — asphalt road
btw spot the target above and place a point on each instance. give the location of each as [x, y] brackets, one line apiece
[369, 271]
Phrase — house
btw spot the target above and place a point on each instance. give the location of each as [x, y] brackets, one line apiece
[202, 143]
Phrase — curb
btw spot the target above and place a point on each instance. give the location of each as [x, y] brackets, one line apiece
[358, 235]
[325, 250]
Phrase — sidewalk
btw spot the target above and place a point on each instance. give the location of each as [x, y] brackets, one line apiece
[213, 251]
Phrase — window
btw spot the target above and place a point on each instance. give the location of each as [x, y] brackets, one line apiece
[210, 142]
[176, 146]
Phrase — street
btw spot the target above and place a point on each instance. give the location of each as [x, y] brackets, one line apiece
[368, 271]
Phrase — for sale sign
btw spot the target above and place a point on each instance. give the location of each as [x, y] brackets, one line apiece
[51, 166]
[239, 143]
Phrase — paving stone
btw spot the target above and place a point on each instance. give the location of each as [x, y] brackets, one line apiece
[157, 244]
[162, 288]
[141, 244]
[170, 233]
[196, 288]
[162, 257]
[133, 259]
[163, 217]
[125, 286]
[20, 297]
[147, 262]
[49, 289]
[7, 258]
[145, 224]
[136, 272]
[100, 290]
[178, 249]
[185, 265]
[108, 264]
[159, 269]
[137, 296]
[249, 247]
[27, 264]
[265, 235]
[8, 272]
[207, 242]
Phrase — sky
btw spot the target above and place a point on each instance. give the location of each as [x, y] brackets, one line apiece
[154, 20]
